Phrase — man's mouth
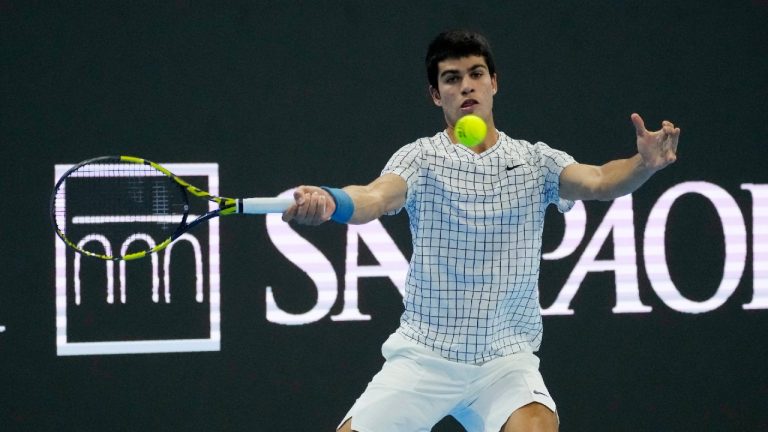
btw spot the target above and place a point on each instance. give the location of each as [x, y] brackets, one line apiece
[469, 103]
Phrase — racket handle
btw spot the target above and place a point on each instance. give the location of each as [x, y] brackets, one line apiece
[263, 205]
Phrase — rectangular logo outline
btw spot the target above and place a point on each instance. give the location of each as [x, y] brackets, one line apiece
[213, 343]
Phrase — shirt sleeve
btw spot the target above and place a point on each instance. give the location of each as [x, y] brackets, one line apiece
[552, 164]
[405, 163]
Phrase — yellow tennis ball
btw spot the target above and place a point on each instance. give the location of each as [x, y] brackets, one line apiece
[471, 130]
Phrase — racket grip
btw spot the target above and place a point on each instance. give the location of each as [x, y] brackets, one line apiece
[263, 205]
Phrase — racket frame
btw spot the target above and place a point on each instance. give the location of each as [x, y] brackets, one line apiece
[226, 206]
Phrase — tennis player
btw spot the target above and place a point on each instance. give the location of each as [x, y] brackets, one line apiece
[472, 322]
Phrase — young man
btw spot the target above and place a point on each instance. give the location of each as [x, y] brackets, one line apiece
[472, 320]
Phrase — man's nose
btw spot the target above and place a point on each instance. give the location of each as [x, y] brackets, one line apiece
[466, 85]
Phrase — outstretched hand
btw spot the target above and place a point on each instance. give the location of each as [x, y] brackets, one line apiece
[659, 148]
[313, 206]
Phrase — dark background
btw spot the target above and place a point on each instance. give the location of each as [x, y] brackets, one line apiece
[289, 93]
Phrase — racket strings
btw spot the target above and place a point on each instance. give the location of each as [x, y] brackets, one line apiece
[118, 206]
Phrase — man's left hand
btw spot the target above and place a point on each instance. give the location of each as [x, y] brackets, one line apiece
[659, 148]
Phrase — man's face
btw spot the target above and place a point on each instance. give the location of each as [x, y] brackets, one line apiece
[464, 86]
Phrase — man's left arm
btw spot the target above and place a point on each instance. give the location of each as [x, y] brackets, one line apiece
[655, 150]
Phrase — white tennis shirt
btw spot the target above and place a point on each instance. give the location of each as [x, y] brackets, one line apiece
[476, 223]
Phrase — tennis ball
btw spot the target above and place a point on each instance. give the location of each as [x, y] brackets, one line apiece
[471, 130]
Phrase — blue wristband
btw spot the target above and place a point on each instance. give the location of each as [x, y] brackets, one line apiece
[344, 205]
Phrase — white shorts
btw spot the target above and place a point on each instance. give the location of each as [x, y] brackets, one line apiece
[416, 388]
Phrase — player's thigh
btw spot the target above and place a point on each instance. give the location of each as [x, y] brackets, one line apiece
[505, 387]
[346, 427]
[410, 403]
[533, 417]
[410, 393]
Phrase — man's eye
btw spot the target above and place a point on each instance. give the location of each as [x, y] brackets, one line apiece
[451, 79]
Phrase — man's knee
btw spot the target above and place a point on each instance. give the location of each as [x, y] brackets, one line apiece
[533, 417]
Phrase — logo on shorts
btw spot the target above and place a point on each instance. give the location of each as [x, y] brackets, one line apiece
[540, 393]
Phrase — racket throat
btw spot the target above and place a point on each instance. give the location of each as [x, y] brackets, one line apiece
[228, 206]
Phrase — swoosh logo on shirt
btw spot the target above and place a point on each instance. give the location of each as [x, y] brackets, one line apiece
[540, 393]
[510, 168]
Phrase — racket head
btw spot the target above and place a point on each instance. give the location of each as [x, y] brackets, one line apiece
[120, 197]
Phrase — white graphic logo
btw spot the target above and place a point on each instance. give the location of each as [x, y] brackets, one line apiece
[617, 226]
[168, 302]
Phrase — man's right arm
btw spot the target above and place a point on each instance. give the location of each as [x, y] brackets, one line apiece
[315, 205]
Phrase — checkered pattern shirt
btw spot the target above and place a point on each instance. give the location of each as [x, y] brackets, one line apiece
[476, 223]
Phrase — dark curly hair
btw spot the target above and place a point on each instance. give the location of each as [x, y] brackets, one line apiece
[457, 44]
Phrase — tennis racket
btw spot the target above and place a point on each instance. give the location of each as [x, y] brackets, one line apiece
[125, 196]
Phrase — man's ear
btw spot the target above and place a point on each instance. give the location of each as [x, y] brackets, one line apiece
[435, 93]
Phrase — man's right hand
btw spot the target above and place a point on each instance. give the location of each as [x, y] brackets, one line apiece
[313, 206]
